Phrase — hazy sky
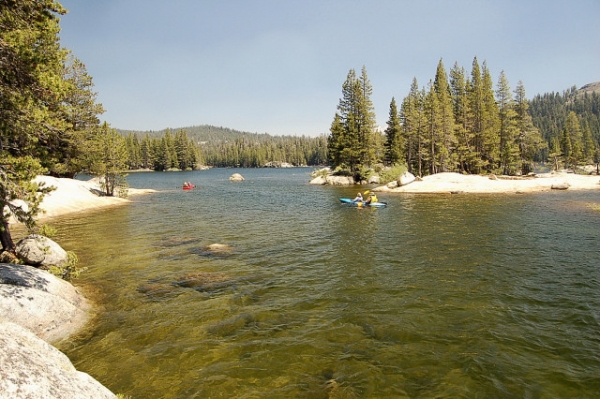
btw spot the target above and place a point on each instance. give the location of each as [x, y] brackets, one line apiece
[277, 66]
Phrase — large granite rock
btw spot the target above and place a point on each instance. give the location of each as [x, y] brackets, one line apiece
[405, 178]
[340, 180]
[319, 181]
[31, 368]
[37, 250]
[45, 304]
[236, 177]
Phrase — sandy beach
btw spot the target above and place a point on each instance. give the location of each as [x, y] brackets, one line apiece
[77, 196]
[458, 183]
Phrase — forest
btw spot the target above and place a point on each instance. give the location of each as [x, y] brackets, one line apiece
[196, 146]
[464, 123]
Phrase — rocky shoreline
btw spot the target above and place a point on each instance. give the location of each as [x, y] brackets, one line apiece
[38, 309]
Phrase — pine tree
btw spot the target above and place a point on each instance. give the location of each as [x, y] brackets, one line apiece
[490, 122]
[31, 91]
[589, 146]
[433, 128]
[460, 106]
[447, 138]
[475, 116]
[81, 114]
[355, 142]
[555, 155]
[510, 161]
[394, 145]
[108, 159]
[367, 121]
[572, 141]
[529, 139]
[412, 116]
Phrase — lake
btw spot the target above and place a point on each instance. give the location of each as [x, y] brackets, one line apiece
[465, 295]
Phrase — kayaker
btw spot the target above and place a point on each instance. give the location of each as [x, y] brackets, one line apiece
[372, 198]
[358, 198]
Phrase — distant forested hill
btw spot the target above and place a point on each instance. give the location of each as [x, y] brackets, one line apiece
[550, 112]
[203, 134]
[223, 147]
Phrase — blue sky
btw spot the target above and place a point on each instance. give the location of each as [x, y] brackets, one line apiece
[277, 66]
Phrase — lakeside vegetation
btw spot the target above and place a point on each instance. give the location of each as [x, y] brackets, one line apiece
[465, 125]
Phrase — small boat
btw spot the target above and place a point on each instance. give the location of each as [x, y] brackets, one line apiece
[188, 187]
[349, 201]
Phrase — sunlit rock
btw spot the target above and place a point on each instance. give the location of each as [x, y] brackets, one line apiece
[32, 368]
[236, 177]
[340, 180]
[405, 178]
[319, 181]
[45, 304]
[560, 186]
[37, 250]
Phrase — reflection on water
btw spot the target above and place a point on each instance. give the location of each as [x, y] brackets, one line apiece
[433, 296]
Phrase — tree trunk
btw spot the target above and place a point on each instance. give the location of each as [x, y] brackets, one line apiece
[6, 239]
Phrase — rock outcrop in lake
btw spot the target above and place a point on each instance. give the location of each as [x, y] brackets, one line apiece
[236, 177]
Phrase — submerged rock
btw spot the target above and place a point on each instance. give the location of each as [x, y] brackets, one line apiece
[218, 248]
[205, 281]
[158, 290]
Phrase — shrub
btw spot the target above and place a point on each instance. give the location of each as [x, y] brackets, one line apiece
[392, 173]
[69, 271]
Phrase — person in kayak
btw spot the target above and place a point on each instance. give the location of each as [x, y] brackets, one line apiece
[372, 198]
[358, 198]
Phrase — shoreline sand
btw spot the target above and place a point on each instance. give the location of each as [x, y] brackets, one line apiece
[457, 183]
[73, 196]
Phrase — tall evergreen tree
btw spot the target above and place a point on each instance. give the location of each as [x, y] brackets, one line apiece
[464, 135]
[529, 139]
[432, 139]
[572, 141]
[490, 127]
[31, 91]
[355, 142]
[446, 119]
[81, 114]
[108, 159]
[510, 161]
[475, 118]
[394, 144]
